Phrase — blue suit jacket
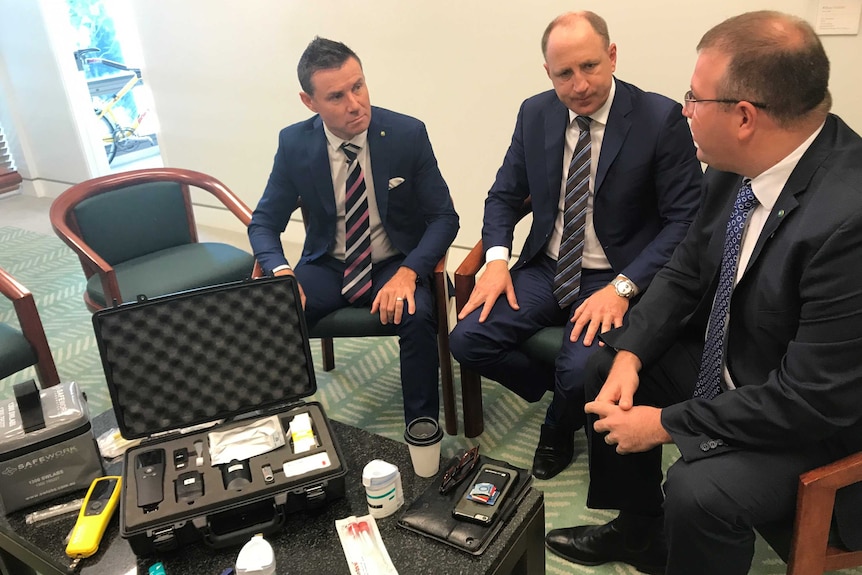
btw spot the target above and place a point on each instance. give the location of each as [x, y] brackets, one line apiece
[647, 187]
[418, 215]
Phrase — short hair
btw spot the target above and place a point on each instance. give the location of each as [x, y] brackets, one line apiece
[597, 22]
[775, 59]
[321, 54]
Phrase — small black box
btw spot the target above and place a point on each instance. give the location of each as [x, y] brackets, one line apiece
[216, 359]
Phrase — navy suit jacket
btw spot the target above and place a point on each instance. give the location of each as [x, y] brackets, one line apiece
[647, 187]
[795, 330]
[417, 215]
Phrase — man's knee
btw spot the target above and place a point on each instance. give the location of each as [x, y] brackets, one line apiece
[693, 496]
[598, 366]
[466, 341]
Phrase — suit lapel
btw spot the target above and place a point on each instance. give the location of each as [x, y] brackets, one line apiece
[797, 184]
[379, 152]
[556, 122]
[321, 172]
[615, 133]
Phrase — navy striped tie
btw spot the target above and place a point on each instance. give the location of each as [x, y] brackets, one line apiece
[708, 381]
[357, 256]
[567, 282]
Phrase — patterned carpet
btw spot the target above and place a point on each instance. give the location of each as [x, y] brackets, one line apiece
[364, 389]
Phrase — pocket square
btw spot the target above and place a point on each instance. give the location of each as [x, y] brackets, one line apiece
[395, 182]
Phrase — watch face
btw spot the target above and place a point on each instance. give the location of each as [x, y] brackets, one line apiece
[624, 288]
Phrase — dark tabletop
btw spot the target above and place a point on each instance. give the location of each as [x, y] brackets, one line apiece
[308, 544]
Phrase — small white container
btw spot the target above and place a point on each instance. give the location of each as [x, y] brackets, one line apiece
[383, 490]
[256, 557]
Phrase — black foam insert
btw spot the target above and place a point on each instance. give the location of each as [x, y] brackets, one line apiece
[205, 354]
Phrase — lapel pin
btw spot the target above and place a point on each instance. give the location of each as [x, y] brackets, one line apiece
[780, 213]
[382, 133]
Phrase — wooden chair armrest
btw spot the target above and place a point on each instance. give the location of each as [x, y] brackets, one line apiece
[31, 326]
[465, 275]
[835, 475]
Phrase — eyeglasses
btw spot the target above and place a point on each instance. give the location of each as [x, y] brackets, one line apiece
[690, 101]
[458, 472]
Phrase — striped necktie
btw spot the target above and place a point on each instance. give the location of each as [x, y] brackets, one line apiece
[567, 281]
[708, 381]
[357, 257]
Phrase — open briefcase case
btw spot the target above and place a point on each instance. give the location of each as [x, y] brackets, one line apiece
[237, 355]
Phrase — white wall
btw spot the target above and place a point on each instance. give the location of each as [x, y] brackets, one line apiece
[223, 74]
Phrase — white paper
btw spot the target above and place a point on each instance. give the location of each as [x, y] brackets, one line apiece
[838, 17]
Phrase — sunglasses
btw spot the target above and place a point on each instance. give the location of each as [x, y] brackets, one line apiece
[458, 472]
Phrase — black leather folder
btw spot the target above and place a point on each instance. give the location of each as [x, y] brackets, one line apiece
[431, 514]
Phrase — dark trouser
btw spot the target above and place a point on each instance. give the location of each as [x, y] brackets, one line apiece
[321, 281]
[711, 504]
[491, 348]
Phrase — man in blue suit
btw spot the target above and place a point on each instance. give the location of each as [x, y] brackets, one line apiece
[636, 205]
[379, 214]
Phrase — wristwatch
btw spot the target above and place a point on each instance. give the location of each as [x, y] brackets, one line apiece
[624, 286]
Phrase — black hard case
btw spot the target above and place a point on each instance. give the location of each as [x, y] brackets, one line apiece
[232, 352]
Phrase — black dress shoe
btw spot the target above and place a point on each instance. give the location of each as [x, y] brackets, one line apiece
[598, 544]
[554, 453]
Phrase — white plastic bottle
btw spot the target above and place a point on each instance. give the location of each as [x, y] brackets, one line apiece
[256, 557]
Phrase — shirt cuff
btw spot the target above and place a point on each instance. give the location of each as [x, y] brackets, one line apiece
[497, 253]
[281, 267]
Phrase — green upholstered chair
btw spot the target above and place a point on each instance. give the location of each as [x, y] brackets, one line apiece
[25, 345]
[135, 234]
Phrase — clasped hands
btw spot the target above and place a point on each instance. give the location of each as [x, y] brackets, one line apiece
[632, 428]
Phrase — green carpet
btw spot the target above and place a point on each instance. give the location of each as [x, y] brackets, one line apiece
[364, 389]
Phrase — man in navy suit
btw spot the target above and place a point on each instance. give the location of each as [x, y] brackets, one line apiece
[755, 382]
[404, 213]
[644, 187]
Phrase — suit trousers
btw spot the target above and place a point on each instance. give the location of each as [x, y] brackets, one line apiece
[321, 281]
[711, 504]
[491, 348]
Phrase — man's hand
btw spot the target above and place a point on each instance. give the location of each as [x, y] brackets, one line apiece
[392, 298]
[632, 431]
[622, 381]
[289, 272]
[494, 281]
[599, 313]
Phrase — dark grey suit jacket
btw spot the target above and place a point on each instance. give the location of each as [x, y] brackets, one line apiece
[795, 334]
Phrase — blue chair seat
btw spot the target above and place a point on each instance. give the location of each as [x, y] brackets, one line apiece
[545, 344]
[176, 269]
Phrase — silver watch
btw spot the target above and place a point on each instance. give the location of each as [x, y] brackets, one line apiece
[624, 287]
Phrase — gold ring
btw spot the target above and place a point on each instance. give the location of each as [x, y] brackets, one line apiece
[399, 299]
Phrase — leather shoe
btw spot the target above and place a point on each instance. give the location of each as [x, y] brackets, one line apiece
[598, 544]
[554, 453]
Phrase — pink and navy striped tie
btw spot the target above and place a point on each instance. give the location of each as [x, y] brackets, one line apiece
[357, 257]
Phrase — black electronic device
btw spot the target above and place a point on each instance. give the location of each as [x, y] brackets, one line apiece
[484, 495]
[189, 486]
[149, 478]
[181, 458]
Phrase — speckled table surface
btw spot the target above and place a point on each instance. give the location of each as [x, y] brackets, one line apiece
[308, 544]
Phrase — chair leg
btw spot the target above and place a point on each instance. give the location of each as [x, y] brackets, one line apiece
[447, 383]
[471, 397]
[328, 352]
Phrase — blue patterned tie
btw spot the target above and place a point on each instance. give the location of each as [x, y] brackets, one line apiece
[567, 281]
[708, 382]
[357, 233]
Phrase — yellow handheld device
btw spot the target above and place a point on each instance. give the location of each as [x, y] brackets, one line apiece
[99, 505]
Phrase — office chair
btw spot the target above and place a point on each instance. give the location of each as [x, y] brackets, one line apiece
[135, 233]
[21, 348]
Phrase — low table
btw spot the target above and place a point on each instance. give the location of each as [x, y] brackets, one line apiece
[308, 544]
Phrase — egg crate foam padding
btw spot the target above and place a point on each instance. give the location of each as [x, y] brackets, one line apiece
[206, 354]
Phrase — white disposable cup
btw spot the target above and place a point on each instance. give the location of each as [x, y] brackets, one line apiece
[423, 436]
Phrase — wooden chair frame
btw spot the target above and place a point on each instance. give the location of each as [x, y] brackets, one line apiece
[31, 327]
[66, 227]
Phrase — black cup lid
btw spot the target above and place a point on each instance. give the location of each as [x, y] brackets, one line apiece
[423, 431]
